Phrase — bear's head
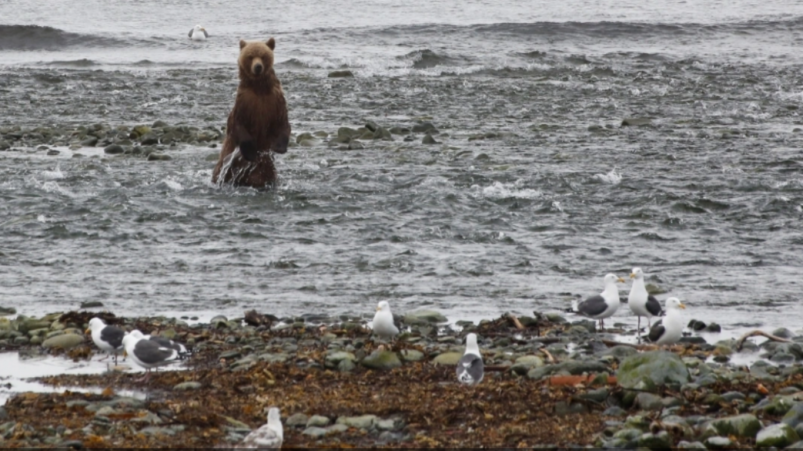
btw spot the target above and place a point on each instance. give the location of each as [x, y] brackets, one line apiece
[256, 59]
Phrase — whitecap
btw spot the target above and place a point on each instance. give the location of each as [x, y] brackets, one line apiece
[53, 175]
[174, 185]
[500, 190]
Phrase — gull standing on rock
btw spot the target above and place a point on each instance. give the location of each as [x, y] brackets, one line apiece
[107, 338]
[269, 436]
[198, 33]
[383, 322]
[668, 330]
[470, 369]
[641, 302]
[603, 305]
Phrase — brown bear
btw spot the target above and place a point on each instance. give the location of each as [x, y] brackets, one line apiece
[258, 122]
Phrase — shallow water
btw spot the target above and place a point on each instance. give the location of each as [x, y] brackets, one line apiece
[16, 375]
[707, 199]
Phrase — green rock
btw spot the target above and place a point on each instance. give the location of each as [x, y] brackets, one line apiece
[139, 130]
[63, 341]
[318, 421]
[778, 435]
[555, 318]
[297, 419]
[346, 366]
[33, 324]
[315, 432]
[190, 385]
[526, 363]
[334, 358]
[654, 289]
[649, 401]
[794, 416]
[448, 358]
[381, 360]
[5, 311]
[236, 423]
[661, 440]
[412, 355]
[360, 422]
[648, 370]
[421, 317]
[341, 74]
[745, 425]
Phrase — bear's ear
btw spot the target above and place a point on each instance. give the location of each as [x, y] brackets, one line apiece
[271, 43]
[242, 44]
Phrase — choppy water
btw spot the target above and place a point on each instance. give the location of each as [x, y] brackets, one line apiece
[707, 199]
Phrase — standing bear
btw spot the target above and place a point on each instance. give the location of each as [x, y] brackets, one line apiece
[258, 122]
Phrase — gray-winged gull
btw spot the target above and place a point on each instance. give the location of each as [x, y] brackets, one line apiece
[107, 338]
[669, 328]
[162, 341]
[198, 33]
[603, 305]
[470, 369]
[641, 302]
[383, 322]
[269, 436]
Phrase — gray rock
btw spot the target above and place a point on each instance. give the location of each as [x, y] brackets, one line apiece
[297, 419]
[621, 352]
[649, 370]
[346, 366]
[64, 341]
[159, 157]
[526, 363]
[718, 442]
[798, 445]
[572, 367]
[745, 425]
[614, 411]
[381, 360]
[359, 422]
[189, 385]
[783, 333]
[423, 317]
[113, 149]
[318, 421]
[315, 432]
[3, 413]
[778, 435]
[149, 139]
[635, 121]
[5, 311]
[428, 139]
[649, 401]
[157, 431]
[793, 417]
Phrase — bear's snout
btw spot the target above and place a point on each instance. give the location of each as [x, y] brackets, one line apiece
[257, 66]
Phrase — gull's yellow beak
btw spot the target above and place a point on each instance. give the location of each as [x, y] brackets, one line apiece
[88, 330]
[378, 309]
[620, 280]
[632, 275]
[203, 29]
[682, 305]
[125, 354]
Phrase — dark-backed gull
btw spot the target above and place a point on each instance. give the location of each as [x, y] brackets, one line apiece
[668, 329]
[198, 33]
[603, 305]
[148, 354]
[641, 302]
[107, 338]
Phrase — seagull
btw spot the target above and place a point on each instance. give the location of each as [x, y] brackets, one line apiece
[470, 367]
[383, 322]
[162, 341]
[603, 305]
[148, 354]
[198, 33]
[107, 338]
[668, 330]
[269, 436]
[641, 302]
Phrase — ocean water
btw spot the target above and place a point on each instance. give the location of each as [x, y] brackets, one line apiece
[707, 198]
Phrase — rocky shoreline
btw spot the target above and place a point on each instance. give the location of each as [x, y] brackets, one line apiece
[550, 382]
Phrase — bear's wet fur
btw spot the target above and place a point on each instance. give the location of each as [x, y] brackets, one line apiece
[257, 124]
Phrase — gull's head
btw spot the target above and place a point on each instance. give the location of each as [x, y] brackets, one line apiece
[136, 334]
[199, 28]
[674, 303]
[637, 274]
[612, 278]
[471, 340]
[129, 339]
[274, 416]
[95, 324]
[383, 306]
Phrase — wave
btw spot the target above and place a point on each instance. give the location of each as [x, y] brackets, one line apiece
[426, 58]
[35, 37]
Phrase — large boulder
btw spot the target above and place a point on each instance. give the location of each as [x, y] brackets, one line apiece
[649, 370]
[778, 435]
[63, 341]
[381, 360]
[745, 425]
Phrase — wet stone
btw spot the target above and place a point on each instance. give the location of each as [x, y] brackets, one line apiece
[318, 421]
[718, 442]
[358, 422]
[298, 419]
[190, 385]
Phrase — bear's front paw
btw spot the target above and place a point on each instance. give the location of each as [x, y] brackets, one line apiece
[280, 146]
[248, 150]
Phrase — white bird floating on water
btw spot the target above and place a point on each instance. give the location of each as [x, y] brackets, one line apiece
[198, 33]
[269, 436]
[470, 369]
[383, 322]
[641, 302]
[148, 353]
[668, 330]
[107, 338]
[603, 305]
